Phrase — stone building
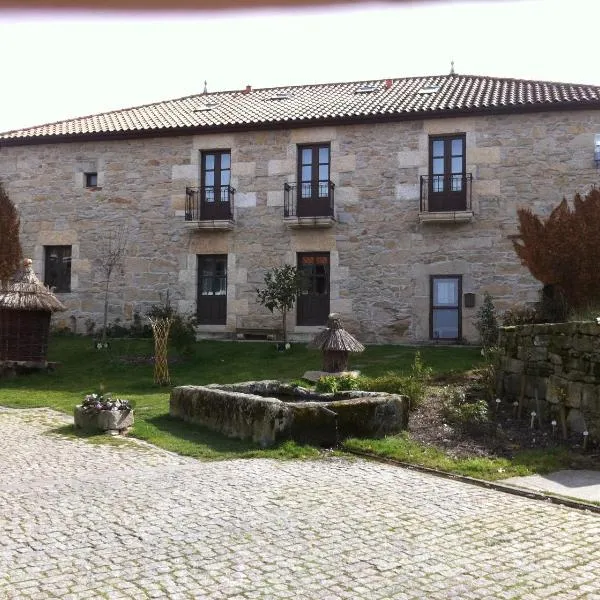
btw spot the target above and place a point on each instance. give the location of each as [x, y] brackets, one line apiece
[397, 198]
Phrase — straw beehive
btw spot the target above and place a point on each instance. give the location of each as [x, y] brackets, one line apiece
[26, 306]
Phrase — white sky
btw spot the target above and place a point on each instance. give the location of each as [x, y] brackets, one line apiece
[61, 65]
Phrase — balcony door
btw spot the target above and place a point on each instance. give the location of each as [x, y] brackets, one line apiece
[313, 181]
[447, 173]
[313, 301]
[212, 289]
[215, 201]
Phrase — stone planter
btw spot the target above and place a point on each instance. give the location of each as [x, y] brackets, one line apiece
[103, 420]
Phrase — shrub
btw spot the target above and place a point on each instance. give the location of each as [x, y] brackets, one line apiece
[487, 324]
[520, 315]
[182, 334]
[457, 410]
[413, 385]
[331, 384]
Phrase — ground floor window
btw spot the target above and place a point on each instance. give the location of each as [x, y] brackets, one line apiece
[445, 316]
[57, 268]
[212, 289]
[313, 301]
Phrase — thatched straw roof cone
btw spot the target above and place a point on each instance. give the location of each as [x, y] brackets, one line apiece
[335, 338]
[26, 292]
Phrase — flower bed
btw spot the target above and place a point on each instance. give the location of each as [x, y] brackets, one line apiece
[102, 412]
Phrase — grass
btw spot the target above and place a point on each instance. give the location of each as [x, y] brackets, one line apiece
[84, 369]
[402, 448]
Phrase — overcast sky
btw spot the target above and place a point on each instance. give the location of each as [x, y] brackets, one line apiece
[62, 65]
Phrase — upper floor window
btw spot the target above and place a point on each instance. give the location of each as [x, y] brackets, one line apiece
[447, 177]
[315, 190]
[57, 268]
[91, 180]
[216, 175]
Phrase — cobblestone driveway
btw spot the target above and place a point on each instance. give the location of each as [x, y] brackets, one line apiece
[80, 520]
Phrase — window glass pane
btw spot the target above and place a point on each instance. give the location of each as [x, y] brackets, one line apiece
[457, 164]
[324, 155]
[445, 292]
[225, 161]
[209, 194]
[225, 176]
[457, 146]
[323, 172]
[306, 173]
[209, 161]
[306, 156]
[437, 183]
[438, 166]
[445, 324]
[438, 148]
[305, 190]
[209, 178]
[457, 183]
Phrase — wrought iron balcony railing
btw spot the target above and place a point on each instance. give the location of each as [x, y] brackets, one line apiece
[441, 193]
[209, 203]
[308, 199]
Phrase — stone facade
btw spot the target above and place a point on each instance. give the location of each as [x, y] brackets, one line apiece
[381, 254]
[560, 364]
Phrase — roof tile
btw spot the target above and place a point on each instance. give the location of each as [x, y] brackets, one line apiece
[321, 102]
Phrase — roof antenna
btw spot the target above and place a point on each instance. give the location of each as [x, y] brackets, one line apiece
[205, 88]
[452, 67]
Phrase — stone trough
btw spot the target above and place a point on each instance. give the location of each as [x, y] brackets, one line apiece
[270, 411]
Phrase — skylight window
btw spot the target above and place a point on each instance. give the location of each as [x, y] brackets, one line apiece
[429, 89]
[366, 88]
[208, 105]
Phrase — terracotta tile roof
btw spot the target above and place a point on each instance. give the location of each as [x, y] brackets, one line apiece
[356, 101]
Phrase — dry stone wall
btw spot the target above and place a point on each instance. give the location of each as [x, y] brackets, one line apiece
[560, 365]
[382, 256]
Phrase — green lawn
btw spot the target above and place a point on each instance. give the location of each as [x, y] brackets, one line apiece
[123, 371]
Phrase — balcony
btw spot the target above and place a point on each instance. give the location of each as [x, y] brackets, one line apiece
[446, 198]
[209, 207]
[312, 207]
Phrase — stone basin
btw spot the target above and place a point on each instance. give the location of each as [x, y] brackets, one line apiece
[270, 411]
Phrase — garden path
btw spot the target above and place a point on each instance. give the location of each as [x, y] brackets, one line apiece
[83, 520]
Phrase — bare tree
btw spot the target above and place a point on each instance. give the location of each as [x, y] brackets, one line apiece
[10, 247]
[113, 249]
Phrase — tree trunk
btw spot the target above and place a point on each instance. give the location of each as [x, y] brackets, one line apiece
[284, 319]
[105, 311]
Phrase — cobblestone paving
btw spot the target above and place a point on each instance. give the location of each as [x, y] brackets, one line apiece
[81, 520]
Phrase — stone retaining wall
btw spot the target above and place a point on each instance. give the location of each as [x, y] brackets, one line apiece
[561, 363]
[239, 411]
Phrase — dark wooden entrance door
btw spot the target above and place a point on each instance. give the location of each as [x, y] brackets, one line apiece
[448, 190]
[313, 301]
[313, 177]
[212, 289]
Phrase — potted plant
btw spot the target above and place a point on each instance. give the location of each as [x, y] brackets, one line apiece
[102, 412]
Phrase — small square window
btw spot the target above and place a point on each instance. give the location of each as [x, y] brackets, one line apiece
[91, 180]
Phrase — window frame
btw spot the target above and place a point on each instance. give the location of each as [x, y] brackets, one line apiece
[218, 154]
[61, 281]
[87, 179]
[447, 198]
[457, 308]
[315, 164]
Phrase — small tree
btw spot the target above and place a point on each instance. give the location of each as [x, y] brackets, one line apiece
[282, 286]
[10, 247]
[487, 324]
[563, 251]
[111, 257]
